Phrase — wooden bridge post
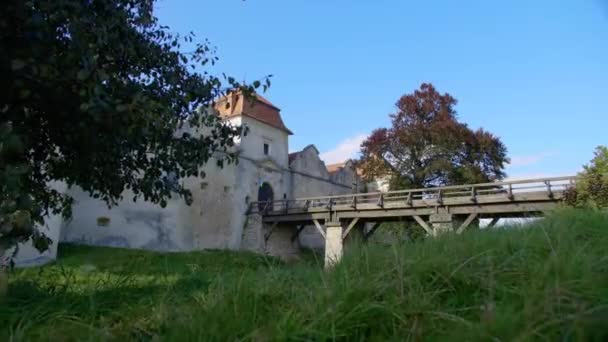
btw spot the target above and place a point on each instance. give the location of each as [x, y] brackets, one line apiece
[348, 228]
[333, 243]
[424, 225]
[370, 232]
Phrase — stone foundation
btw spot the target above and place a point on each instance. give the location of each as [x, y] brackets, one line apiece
[253, 237]
[441, 223]
[272, 240]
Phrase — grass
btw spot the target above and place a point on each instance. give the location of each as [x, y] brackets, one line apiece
[549, 282]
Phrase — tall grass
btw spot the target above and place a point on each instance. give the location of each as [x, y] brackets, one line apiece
[548, 281]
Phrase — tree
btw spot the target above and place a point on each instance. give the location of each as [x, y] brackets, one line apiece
[93, 93]
[592, 185]
[427, 146]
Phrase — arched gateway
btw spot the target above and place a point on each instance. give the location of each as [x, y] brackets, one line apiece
[265, 194]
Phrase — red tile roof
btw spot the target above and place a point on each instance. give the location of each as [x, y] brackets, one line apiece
[337, 167]
[259, 108]
[266, 102]
[332, 168]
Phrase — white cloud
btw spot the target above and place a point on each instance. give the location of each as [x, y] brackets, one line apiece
[518, 168]
[517, 161]
[346, 149]
[537, 175]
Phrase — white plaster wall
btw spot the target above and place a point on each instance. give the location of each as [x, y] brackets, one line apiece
[210, 214]
[252, 145]
[218, 210]
[347, 176]
[310, 176]
[307, 161]
[213, 220]
[208, 223]
[27, 254]
[216, 218]
[130, 224]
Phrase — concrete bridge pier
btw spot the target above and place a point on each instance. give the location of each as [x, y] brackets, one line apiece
[333, 243]
[441, 223]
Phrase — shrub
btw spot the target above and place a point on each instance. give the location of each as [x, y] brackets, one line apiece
[592, 187]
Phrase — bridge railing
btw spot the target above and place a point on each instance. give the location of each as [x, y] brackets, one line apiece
[433, 196]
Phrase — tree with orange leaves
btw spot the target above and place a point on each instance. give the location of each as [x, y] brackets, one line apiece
[427, 146]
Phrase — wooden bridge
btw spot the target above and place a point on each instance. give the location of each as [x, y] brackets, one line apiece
[436, 210]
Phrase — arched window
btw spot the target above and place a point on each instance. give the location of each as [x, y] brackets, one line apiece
[265, 194]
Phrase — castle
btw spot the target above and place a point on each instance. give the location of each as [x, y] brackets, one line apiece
[216, 219]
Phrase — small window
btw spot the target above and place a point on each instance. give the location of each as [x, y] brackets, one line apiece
[103, 221]
[266, 149]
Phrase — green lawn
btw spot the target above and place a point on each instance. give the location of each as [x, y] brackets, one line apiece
[549, 282]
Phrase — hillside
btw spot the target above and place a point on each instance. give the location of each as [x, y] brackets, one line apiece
[545, 282]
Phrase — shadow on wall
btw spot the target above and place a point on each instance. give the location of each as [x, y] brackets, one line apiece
[142, 229]
[27, 255]
[154, 221]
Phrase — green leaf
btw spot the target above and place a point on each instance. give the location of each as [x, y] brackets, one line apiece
[17, 64]
[82, 74]
[103, 75]
[69, 132]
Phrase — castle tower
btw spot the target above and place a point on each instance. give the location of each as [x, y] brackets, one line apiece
[267, 136]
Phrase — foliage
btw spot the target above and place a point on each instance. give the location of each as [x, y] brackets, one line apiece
[427, 146]
[399, 232]
[93, 95]
[548, 282]
[592, 185]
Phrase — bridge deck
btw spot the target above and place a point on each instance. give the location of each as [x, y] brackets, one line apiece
[511, 198]
[335, 217]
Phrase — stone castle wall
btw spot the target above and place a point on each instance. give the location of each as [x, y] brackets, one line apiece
[216, 219]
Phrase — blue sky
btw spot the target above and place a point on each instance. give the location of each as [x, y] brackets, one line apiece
[533, 72]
